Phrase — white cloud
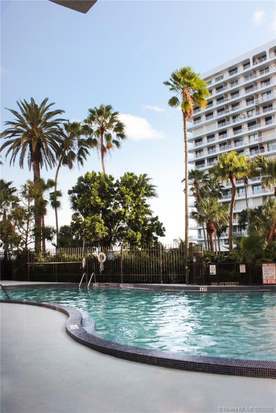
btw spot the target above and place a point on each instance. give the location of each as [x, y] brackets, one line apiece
[154, 108]
[258, 17]
[138, 128]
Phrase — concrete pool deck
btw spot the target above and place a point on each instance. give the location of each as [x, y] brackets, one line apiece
[45, 371]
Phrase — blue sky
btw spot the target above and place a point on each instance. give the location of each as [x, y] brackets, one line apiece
[119, 54]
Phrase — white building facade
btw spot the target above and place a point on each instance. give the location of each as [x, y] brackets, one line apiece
[240, 116]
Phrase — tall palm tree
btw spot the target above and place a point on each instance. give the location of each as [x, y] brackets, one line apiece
[189, 91]
[231, 166]
[74, 148]
[34, 133]
[108, 130]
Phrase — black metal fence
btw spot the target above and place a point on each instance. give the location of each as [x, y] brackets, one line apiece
[147, 265]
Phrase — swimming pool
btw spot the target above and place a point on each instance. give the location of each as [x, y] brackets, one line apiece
[232, 325]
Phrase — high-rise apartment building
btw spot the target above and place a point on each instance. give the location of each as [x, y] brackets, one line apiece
[240, 116]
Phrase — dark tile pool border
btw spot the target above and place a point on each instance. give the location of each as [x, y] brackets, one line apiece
[217, 365]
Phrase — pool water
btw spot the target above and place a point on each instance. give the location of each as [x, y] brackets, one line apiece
[235, 325]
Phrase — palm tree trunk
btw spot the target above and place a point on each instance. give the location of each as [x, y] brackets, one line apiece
[36, 171]
[218, 242]
[231, 214]
[27, 226]
[186, 190]
[43, 233]
[205, 237]
[56, 209]
[102, 155]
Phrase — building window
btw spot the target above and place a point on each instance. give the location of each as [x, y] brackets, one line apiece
[268, 120]
[211, 161]
[238, 142]
[200, 164]
[222, 122]
[259, 58]
[237, 129]
[235, 94]
[234, 83]
[219, 88]
[210, 103]
[220, 99]
[221, 111]
[263, 71]
[197, 119]
[212, 149]
[267, 108]
[199, 153]
[218, 78]
[210, 138]
[249, 88]
[252, 124]
[209, 115]
[250, 100]
[246, 65]
[235, 105]
[233, 71]
[198, 141]
[256, 189]
[265, 82]
[222, 134]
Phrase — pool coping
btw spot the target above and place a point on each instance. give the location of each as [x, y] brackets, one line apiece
[147, 286]
[74, 326]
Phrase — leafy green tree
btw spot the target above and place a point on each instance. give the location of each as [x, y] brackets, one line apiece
[230, 167]
[8, 201]
[33, 134]
[189, 91]
[110, 212]
[68, 237]
[74, 148]
[108, 130]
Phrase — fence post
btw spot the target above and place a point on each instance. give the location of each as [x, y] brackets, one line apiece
[161, 264]
[121, 265]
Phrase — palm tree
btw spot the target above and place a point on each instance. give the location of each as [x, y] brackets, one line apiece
[189, 91]
[231, 166]
[108, 130]
[267, 169]
[34, 133]
[214, 214]
[75, 145]
[203, 185]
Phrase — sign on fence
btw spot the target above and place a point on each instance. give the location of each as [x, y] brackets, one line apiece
[269, 273]
[242, 268]
[212, 269]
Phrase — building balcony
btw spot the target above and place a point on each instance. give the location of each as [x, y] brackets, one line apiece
[246, 70]
[230, 123]
[261, 139]
[236, 98]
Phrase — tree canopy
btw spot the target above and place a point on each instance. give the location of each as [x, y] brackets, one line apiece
[110, 212]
